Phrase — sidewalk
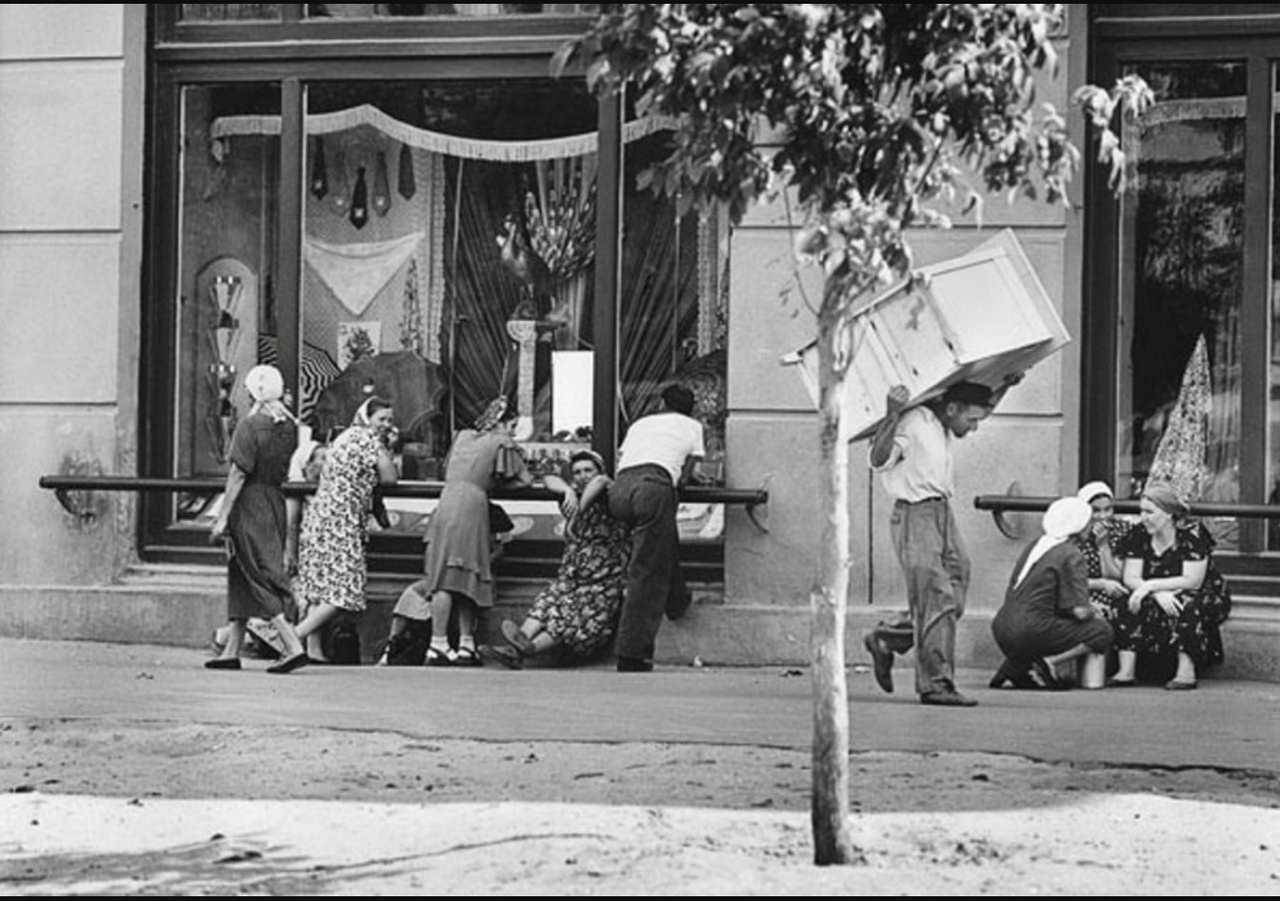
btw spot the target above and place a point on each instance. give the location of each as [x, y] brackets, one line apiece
[685, 781]
[1227, 724]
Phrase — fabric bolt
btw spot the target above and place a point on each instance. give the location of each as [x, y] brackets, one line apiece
[936, 566]
[1196, 630]
[257, 584]
[1037, 617]
[331, 560]
[356, 273]
[579, 609]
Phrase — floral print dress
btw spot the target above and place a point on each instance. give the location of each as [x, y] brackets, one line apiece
[331, 552]
[580, 607]
[1196, 630]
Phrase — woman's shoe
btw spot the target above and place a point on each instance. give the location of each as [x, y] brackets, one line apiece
[1121, 683]
[466, 657]
[1179, 685]
[1009, 675]
[437, 658]
[288, 665]
[517, 639]
[1042, 675]
[223, 663]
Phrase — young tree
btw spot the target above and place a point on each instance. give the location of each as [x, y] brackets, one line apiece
[879, 110]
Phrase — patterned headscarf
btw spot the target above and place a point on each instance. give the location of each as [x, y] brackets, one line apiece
[364, 413]
[587, 454]
[492, 415]
[1164, 497]
[265, 385]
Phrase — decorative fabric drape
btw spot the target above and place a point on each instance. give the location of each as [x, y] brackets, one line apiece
[434, 141]
[355, 273]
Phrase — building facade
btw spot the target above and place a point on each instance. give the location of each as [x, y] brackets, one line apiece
[400, 199]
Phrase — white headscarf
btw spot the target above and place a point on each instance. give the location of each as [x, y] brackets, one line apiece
[1065, 517]
[1094, 490]
[265, 385]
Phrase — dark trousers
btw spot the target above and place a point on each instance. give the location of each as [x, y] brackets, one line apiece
[644, 498]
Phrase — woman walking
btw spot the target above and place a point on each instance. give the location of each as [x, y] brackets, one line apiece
[253, 523]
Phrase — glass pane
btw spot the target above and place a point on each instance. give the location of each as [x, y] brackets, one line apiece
[229, 12]
[1273, 404]
[225, 319]
[1181, 266]
[380, 10]
[672, 321]
[449, 261]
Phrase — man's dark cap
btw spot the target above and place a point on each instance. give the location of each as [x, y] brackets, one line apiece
[970, 393]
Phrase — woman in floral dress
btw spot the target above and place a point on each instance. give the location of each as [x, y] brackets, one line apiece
[331, 558]
[1178, 600]
[576, 614]
[1098, 544]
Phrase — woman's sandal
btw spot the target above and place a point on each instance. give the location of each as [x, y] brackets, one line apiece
[437, 658]
[1042, 674]
[466, 657]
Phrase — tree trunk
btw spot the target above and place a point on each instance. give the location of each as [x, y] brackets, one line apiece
[831, 839]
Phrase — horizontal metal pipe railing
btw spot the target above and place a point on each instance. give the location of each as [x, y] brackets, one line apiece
[694, 494]
[1005, 503]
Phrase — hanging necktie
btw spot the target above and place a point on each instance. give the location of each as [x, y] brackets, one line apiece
[319, 175]
[359, 201]
[407, 184]
[381, 186]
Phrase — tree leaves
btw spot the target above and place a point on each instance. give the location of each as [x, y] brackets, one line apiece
[883, 111]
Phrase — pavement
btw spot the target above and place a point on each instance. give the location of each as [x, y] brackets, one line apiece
[1223, 724]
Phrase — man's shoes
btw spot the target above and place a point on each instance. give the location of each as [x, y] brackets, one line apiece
[677, 609]
[947, 698]
[881, 659]
[223, 663]
[634, 665]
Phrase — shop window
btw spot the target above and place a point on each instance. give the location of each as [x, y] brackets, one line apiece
[447, 256]
[475, 10]
[1181, 287]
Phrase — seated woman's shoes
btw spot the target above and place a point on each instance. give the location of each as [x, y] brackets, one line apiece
[1121, 683]
[436, 657]
[517, 639]
[634, 665]
[508, 657]
[289, 664]
[1179, 685]
[223, 663]
[1042, 675]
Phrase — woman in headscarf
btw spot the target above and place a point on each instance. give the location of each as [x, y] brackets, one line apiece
[335, 524]
[1098, 544]
[1046, 619]
[1178, 600]
[576, 614]
[253, 522]
[457, 560]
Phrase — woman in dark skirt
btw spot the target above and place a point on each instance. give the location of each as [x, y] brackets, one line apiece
[1046, 619]
[252, 522]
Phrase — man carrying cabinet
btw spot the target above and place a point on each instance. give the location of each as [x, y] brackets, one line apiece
[912, 449]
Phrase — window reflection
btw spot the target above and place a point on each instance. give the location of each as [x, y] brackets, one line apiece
[1181, 276]
[229, 12]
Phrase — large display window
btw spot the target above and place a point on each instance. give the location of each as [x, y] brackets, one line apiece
[429, 239]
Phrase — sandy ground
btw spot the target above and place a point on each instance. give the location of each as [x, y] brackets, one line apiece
[159, 808]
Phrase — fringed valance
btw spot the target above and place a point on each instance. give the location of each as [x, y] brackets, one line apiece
[437, 142]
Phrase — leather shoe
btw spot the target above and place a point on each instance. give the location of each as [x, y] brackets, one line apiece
[634, 665]
[881, 660]
[223, 663]
[947, 698]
